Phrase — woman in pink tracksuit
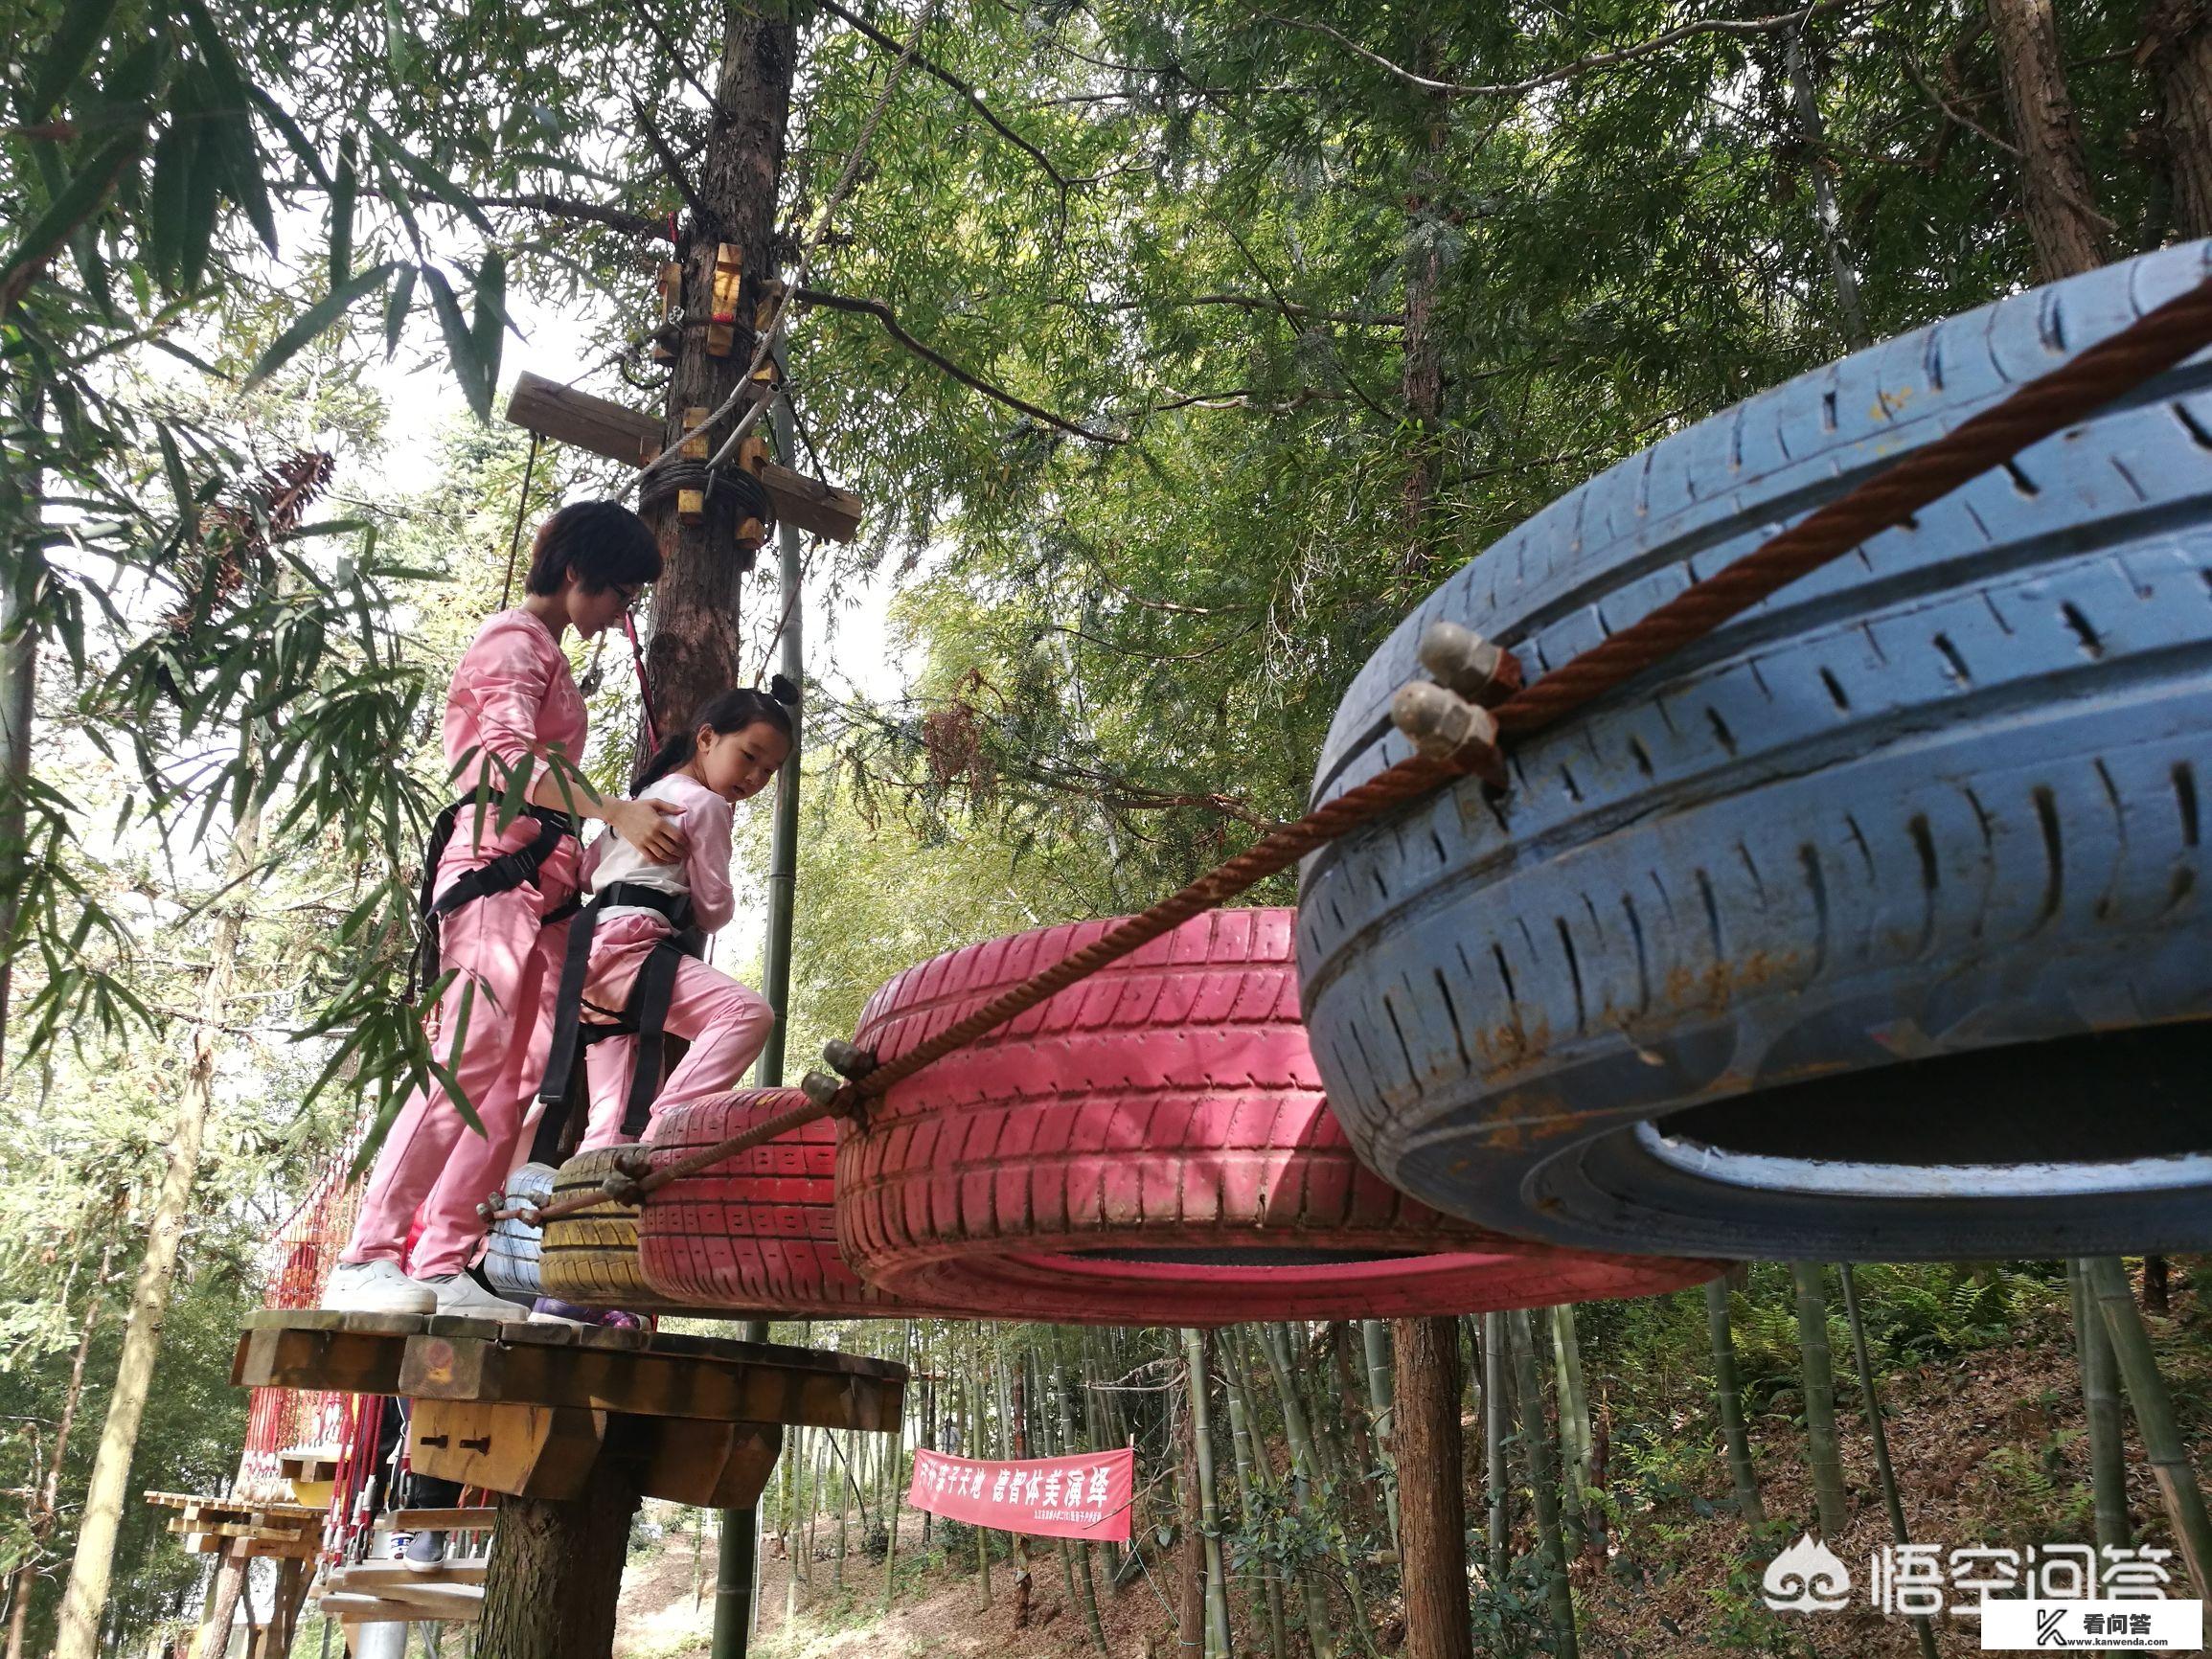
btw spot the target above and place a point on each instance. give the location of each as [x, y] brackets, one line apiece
[733, 746]
[500, 898]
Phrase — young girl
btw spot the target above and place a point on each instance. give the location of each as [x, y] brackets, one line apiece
[642, 904]
[498, 899]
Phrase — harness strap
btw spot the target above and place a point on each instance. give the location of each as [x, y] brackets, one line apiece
[643, 1014]
[501, 874]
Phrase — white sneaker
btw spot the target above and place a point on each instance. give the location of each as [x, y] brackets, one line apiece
[459, 1294]
[376, 1287]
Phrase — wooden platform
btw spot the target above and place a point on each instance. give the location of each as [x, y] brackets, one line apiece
[224, 1526]
[391, 1592]
[528, 1410]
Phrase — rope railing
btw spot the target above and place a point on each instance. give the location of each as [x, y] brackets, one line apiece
[2154, 343]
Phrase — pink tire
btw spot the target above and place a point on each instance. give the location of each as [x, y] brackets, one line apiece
[1152, 1147]
[757, 1230]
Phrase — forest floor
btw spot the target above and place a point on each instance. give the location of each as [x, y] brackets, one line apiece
[1989, 1450]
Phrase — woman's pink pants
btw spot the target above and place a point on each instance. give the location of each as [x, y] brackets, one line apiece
[431, 1161]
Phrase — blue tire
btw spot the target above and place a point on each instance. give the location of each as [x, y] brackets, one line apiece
[511, 1250]
[1872, 926]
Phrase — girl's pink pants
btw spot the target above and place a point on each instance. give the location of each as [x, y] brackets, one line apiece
[726, 1024]
[431, 1161]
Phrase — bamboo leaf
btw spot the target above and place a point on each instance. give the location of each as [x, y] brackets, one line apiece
[342, 191]
[83, 26]
[318, 317]
[75, 202]
[460, 343]
[395, 309]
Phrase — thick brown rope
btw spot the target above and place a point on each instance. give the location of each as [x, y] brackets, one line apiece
[2154, 343]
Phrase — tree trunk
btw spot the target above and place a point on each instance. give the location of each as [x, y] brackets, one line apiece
[975, 1449]
[1574, 1412]
[1432, 1512]
[894, 1494]
[1495, 1390]
[1842, 268]
[1817, 1375]
[2177, 36]
[1198, 1369]
[2163, 1444]
[2057, 199]
[695, 649]
[1375, 1339]
[1359, 1429]
[108, 1488]
[1728, 1398]
[222, 1607]
[2101, 1407]
[1543, 1482]
[1924, 1629]
[555, 1570]
[48, 1505]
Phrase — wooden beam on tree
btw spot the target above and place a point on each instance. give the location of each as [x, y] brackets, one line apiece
[608, 428]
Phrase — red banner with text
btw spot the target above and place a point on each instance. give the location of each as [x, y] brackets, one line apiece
[1078, 1497]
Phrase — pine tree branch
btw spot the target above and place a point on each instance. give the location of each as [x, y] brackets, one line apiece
[975, 99]
[883, 314]
[1737, 27]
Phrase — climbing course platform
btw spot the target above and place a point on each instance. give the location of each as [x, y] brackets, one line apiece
[573, 1426]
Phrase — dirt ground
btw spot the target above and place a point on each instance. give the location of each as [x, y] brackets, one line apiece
[936, 1614]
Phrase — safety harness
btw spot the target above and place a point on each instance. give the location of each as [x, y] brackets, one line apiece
[501, 874]
[644, 1014]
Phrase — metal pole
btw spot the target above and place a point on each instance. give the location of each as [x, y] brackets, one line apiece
[737, 1561]
[784, 840]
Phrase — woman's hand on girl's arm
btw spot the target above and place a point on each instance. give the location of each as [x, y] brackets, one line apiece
[654, 828]
[644, 823]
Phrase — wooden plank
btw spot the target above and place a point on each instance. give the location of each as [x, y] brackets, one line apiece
[328, 1319]
[379, 1577]
[475, 1519]
[623, 433]
[710, 1466]
[523, 1450]
[654, 1384]
[568, 416]
[337, 1360]
[811, 504]
[452, 1604]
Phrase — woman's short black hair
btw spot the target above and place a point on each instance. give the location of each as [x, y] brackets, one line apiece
[602, 541]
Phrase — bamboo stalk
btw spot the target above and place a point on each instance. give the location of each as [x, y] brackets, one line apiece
[1728, 1397]
[1374, 1341]
[1198, 1374]
[1537, 1448]
[1816, 1365]
[1252, 1475]
[1546, 1326]
[2163, 1444]
[1495, 1392]
[2101, 1406]
[1083, 1590]
[1302, 1472]
[1923, 1628]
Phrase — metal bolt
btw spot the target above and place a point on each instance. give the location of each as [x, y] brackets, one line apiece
[1447, 727]
[849, 1059]
[820, 1087]
[1463, 661]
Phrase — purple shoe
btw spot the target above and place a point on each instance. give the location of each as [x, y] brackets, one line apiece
[552, 1311]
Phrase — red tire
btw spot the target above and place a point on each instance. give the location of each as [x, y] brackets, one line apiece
[756, 1231]
[1152, 1147]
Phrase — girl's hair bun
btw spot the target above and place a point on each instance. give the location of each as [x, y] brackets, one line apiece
[783, 691]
